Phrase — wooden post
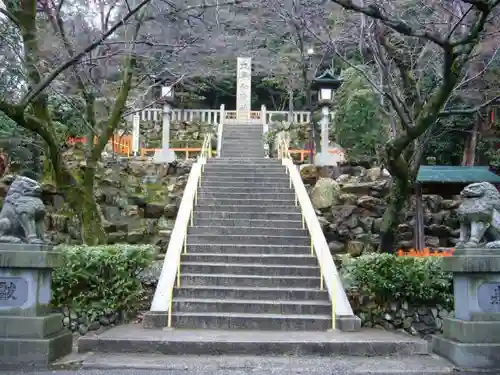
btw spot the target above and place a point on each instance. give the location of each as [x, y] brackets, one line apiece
[419, 237]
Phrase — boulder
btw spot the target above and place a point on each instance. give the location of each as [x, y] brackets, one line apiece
[354, 248]
[324, 193]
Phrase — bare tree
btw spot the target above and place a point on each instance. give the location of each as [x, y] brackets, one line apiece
[423, 52]
[102, 61]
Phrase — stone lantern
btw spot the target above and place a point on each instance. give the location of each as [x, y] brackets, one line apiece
[165, 154]
[325, 84]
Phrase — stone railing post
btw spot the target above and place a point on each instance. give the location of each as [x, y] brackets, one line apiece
[222, 113]
[471, 338]
[136, 130]
[220, 129]
[263, 117]
[165, 154]
[265, 128]
[31, 334]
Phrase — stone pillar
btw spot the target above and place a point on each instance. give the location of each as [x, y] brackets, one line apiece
[220, 129]
[222, 113]
[165, 154]
[30, 333]
[243, 88]
[135, 134]
[323, 158]
[265, 128]
[471, 338]
[263, 117]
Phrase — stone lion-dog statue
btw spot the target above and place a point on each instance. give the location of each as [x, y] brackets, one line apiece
[23, 212]
[479, 216]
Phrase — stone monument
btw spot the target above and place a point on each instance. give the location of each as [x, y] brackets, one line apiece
[471, 338]
[30, 333]
[243, 88]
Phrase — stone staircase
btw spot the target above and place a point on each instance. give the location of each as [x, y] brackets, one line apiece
[249, 285]
[249, 263]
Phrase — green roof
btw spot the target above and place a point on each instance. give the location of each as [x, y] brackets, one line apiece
[455, 174]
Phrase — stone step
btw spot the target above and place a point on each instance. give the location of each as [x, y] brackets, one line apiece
[249, 249]
[247, 231]
[266, 259]
[325, 359]
[262, 322]
[247, 190]
[252, 306]
[247, 202]
[251, 293]
[246, 174]
[249, 223]
[244, 209]
[242, 145]
[228, 153]
[257, 281]
[216, 194]
[240, 153]
[245, 239]
[244, 168]
[242, 142]
[244, 161]
[281, 179]
[249, 269]
[237, 215]
[215, 183]
[256, 186]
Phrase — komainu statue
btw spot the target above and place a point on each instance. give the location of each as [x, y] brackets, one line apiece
[23, 212]
[479, 216]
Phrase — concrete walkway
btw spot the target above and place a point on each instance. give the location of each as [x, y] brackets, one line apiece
[154, 364]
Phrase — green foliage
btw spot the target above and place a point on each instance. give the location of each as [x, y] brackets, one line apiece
[67, 114]
[387, 277]
[278, 117]
[100, 279]
[360, 126]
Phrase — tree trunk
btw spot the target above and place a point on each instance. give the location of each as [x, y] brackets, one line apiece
[469, 155]
[400, 191]
[90, 216]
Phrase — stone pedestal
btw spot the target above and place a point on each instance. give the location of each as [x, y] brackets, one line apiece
[471, 339]
[30, 334]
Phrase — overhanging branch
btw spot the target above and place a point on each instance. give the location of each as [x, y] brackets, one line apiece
[394, 23]
[468, 111]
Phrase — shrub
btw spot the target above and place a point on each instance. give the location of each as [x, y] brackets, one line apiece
[97, 280]
[420, 281]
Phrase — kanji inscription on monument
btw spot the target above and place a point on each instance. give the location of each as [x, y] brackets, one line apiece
[243, 88]
[13, 292]
[488, 297]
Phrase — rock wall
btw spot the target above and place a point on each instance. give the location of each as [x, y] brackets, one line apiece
[138, 201]
[350, 203]
[420, 321]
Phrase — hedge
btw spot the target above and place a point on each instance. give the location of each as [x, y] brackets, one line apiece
[387, 277]
[98, 280]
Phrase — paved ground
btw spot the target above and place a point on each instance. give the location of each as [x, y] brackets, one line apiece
[99, 364]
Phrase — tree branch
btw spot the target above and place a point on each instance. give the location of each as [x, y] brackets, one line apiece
[73, 60]
[394, 23]
[10, 16]
[468, 111]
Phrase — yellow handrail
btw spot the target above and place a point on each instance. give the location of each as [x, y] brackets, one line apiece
[284, 155]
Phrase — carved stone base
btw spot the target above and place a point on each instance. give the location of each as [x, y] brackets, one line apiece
[30, 334]
[471, 339]
[33, 352]
[164, 156]
[468, 355]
